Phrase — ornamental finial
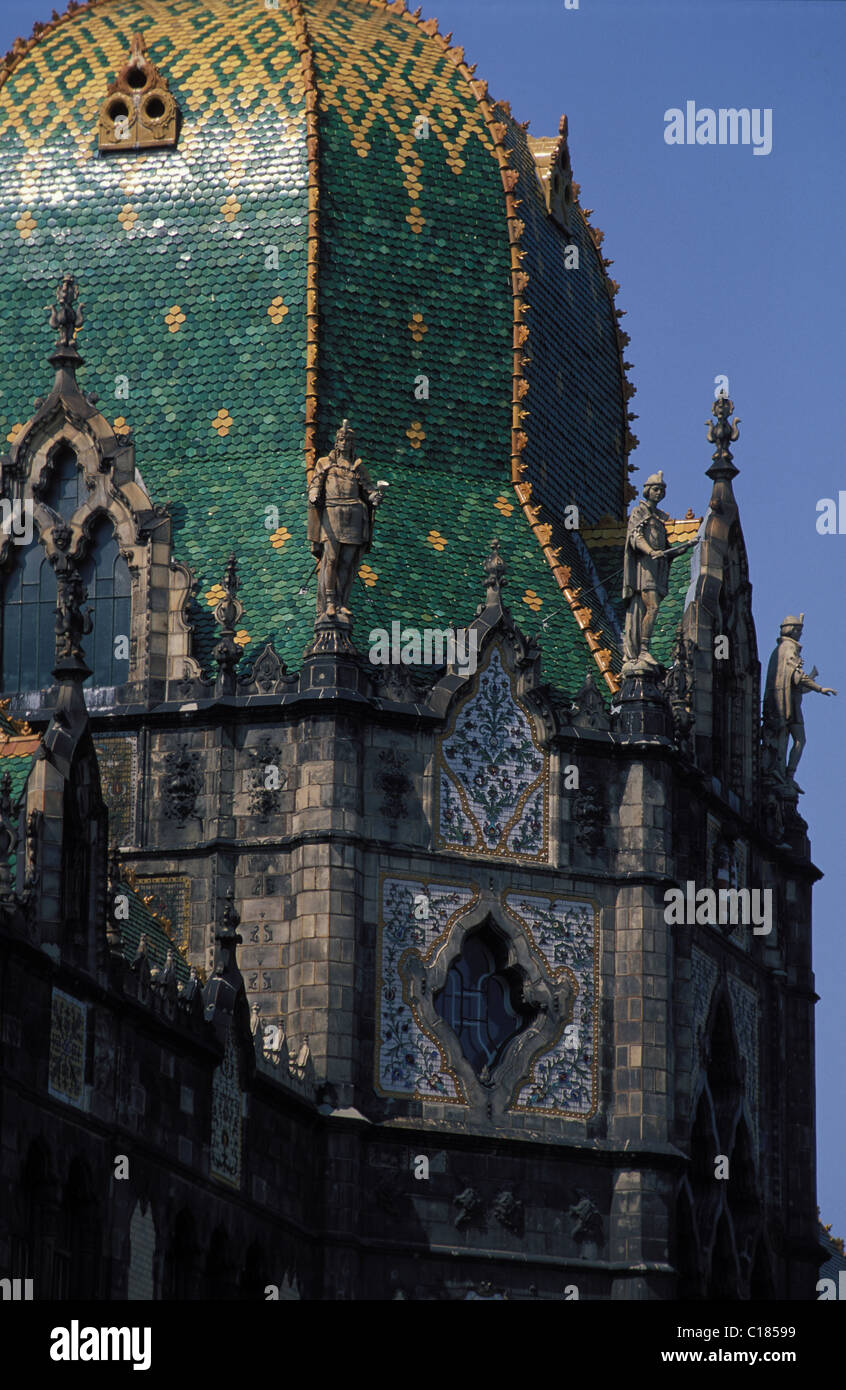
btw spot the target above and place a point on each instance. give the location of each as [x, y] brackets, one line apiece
[230, 919]
[721, 433]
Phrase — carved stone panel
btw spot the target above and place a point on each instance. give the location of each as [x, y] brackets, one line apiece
[181, 785]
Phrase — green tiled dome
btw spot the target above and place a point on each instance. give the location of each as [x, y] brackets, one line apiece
[195, 267]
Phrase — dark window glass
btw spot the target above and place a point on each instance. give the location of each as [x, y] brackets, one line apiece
[105, 575]
[29, 622]
[66, 490]
[29, 615]
[481, 1001]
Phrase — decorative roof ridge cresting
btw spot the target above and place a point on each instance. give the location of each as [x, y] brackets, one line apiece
[21, 47]
[519, 281]
[303, 42]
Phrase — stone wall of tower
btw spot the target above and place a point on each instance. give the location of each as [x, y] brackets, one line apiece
[355, 807]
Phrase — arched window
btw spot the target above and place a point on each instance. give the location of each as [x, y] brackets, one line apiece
[66, 490]
[29, 622]
[29, 614]
[182, 1261]
[105, 575]
[77, 1258]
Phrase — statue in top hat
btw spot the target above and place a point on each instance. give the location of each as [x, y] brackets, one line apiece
[787, 682]
[342, 500]
[646, 572]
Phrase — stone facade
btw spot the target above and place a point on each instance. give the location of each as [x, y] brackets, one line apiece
[585, 1159]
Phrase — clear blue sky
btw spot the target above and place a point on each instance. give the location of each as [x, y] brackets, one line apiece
[729, 263]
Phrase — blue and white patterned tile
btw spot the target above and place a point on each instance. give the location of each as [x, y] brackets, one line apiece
[492, 776]
[563, 931]
[226, 1122]
[746, 1009]
[415, 915]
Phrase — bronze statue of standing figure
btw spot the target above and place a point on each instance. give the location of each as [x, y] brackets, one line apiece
[342, 500]
[646, 573]
[787, 682]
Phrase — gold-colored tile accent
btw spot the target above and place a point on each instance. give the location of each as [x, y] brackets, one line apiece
[368, 576]
[188, 71]
[214, 595]
[121, 426]
[222, 422]
[437, 541]
[503, 505]
[174, 318]
[531, 600]
[415, 434]
[417, 328]
[309, 86]
[13, 433]
[242, 637]
[277, 309]
[230, 208]
[279, 537]
[26, 225]
[127, 217]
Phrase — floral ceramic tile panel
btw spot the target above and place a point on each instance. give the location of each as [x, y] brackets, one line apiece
[118, 762]
[492, 776]
[226, 1117]
[564, 932]
[703, 977]
[67, 1049]
[745, 1007]
[415, 915]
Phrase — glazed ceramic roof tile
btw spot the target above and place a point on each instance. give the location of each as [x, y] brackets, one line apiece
[336, 160]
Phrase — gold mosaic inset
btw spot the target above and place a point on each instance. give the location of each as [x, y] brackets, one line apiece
[26, 225]
[222, 422]
[279, 537]
[277, 309]
[368, 55]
